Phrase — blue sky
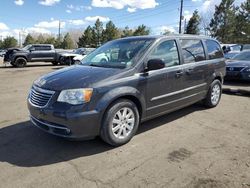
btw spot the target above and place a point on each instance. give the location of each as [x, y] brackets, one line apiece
[42, 16]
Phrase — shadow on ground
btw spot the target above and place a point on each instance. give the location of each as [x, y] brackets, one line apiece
[31, 65]
[24, 145]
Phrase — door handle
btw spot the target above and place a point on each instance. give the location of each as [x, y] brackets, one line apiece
[189, 71]
[178, 74]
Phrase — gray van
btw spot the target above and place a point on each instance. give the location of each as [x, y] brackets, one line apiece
[125, 82]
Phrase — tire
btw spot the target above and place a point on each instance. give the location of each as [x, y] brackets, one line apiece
[20, 62]
[61, 61]
[117, 130]
[54, 63]
[214, 94]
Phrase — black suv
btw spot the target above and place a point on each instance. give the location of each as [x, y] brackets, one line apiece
[125, 82]
[18, 57]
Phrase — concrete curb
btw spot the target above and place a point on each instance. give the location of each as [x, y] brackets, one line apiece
[236, 91]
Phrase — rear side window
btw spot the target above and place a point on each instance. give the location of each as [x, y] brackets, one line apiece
[214, 50]
[167, 52]
[192, 50]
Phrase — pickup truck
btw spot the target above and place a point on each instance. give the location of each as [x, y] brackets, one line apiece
[18, 57]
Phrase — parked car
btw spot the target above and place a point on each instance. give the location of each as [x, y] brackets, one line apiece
[2, 53]
[144, 77]
[74, 57]
[245, 47]
[79, 57]
[238, 68]
[18, 57]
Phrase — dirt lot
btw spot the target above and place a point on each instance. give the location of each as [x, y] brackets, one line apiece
[194, 147]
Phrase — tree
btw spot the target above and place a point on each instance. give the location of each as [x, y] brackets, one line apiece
[67, 43]
[193, 24]
[141, 30]
[86, 40]
[127, 32]
[97, 32]
[1, 44]
[242, 33]
[40, 39]
[29, 40]
[223, 23]
[110, 33]
[50, 40]
[9, 42]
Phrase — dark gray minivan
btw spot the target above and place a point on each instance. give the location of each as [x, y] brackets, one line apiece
[125, 82]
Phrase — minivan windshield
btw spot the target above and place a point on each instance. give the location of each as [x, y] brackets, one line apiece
[118, 54]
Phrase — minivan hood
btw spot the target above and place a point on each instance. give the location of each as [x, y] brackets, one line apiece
[77, 76]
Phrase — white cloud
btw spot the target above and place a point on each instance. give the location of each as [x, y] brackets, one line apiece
[37, 30]
[120, 4]
[78, 8]
[94, 18]
[19, 2]
[131, 9]
[48, 2]
[3, 26]
[162, 29]
[68, 11]
[77, 22]
[52, 24]
[196, 0]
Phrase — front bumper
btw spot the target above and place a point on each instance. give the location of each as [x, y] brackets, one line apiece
[237, 76]
[66, 123]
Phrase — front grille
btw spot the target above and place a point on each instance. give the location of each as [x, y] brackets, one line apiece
[40, 97]
[236, 69]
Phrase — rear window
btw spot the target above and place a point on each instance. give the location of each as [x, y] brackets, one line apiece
[192, 50]
[214, 49]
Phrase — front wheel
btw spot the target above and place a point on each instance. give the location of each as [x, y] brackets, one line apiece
[20, 62]
[214, 94]
[120, 123]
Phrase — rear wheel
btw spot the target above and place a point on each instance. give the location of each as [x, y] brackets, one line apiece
[120, 123]
[214, 94]
[20, 62]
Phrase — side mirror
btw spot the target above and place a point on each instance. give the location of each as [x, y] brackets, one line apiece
[155, 64]
[32, 49]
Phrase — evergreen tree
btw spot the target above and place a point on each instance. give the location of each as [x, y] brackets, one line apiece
[1, 44]
[86, 40]
[127, 32]
[110, 33]
[97, 32]
[141, 30]
[50, 40]
[9, 42]
[242, 33]
[193, 24]
[40, 39]
[222, 25]
[67, 42]
[29, 40]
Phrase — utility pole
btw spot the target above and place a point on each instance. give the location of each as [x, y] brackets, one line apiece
[59, 31]
[180, 16]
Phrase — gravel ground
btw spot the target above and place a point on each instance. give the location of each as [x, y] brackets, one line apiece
[193, 147]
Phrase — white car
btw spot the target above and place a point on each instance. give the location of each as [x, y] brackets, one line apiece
[76, 56]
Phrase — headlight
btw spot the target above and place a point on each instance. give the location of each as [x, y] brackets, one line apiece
[75, 96]
[247, 69]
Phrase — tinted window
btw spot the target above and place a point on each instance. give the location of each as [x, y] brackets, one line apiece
[214, 50]
[167, 52]
[243, 56]
[192, 50]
